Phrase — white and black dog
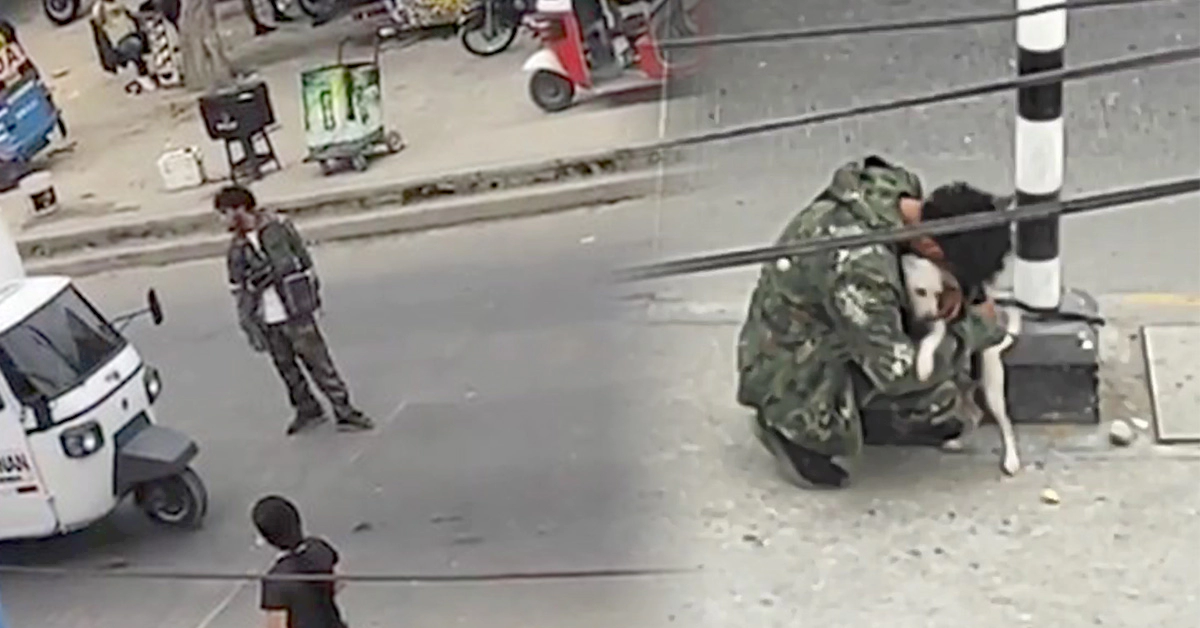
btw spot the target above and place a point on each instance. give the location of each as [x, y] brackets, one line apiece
[925, 281]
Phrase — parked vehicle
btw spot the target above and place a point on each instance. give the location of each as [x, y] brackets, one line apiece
[489, 27]
[77, 427]
[28, 115]
[606, 46]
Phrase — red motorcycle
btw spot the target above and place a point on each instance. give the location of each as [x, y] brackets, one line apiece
[608, 46]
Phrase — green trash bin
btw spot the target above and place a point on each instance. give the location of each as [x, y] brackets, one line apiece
[342, 106]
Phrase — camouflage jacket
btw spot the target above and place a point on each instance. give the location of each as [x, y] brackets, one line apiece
[824, 333]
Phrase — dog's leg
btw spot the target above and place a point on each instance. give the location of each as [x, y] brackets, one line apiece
[927, 349]
[971, 416]
[992, 378]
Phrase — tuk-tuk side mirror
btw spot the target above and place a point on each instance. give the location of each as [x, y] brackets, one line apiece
[155, 307]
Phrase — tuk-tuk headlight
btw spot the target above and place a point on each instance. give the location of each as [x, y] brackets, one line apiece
[153, 383]
[82, 441]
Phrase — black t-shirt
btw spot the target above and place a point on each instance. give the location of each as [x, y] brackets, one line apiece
[308, 604]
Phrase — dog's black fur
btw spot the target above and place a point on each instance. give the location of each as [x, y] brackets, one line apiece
[974, 257]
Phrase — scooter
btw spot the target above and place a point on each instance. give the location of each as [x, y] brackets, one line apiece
[613, 50]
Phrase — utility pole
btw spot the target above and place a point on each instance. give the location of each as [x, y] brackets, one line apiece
[1055, 363]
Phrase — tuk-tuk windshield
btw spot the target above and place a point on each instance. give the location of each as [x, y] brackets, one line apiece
[57, 347]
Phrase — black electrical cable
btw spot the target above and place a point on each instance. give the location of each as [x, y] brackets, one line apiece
[167, 574]
[1121, 64]
[765, 37]
[761, 255]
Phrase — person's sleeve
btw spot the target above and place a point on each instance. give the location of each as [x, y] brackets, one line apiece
[245, 299]
[865, 306]
[296, 243]
[274, 594]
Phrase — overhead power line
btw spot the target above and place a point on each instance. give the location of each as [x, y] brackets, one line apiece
[770, 37]
[1121, 64]
[208, 576]
[743, 257]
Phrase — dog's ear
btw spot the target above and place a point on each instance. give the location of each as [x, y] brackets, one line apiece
[950, 299]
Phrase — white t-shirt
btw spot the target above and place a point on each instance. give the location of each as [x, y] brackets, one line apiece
[273, 311]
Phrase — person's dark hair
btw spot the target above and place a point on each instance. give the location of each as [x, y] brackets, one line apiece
[278, 522]
[232, 196]
[975, 257]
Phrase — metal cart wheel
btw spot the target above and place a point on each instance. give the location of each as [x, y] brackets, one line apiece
[394, 142]
[359, 163]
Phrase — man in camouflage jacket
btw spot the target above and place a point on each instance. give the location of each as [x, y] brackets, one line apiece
[824, 345]
[277, 294]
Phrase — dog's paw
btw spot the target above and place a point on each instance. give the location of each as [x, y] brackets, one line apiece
[1011, 464]
[924, 365]
[953, 445]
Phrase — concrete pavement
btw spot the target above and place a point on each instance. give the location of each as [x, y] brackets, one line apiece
[463, 118]
[552, 423]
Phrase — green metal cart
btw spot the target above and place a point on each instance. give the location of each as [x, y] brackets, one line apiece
[343, 114]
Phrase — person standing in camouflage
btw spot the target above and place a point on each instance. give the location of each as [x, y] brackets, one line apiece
[823, 356]
[278, 300]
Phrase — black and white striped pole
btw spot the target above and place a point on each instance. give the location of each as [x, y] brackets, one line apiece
[1053, 369]
[1040, 154]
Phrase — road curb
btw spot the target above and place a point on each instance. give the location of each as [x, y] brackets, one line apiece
[355, 199]
[394, 219]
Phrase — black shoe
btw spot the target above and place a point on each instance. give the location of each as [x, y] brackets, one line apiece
[262, 29]
[305, 420]
[881, 430]
[800, 466]
[356, 422]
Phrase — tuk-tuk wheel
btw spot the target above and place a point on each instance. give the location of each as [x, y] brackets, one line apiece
[359, 163]
[328, 166]
[550, 91]
[180, 501]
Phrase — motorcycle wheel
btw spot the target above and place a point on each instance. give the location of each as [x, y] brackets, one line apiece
[474, 38]
[318, 9]
[61, 12]
[180, 501]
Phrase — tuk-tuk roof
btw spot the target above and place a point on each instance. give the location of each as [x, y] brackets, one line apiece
[21, 297]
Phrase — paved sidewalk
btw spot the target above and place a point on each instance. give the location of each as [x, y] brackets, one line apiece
[457, 113]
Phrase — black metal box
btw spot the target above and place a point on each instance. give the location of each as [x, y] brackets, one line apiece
[238, 112]
[1054, 367]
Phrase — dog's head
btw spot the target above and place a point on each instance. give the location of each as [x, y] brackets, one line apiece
[925, 283]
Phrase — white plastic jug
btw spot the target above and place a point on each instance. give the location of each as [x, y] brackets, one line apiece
[181, 168]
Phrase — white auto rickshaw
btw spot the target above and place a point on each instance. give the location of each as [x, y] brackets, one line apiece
[77, 427]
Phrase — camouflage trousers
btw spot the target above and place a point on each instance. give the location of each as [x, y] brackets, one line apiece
[294, 343]
[822, 403]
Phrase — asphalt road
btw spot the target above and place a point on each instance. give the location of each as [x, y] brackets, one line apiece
[494, 369]
[1122, 130]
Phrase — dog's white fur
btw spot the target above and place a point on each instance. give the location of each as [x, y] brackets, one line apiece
[925, 282]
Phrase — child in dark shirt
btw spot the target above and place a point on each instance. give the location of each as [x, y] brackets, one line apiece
[295, 604]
